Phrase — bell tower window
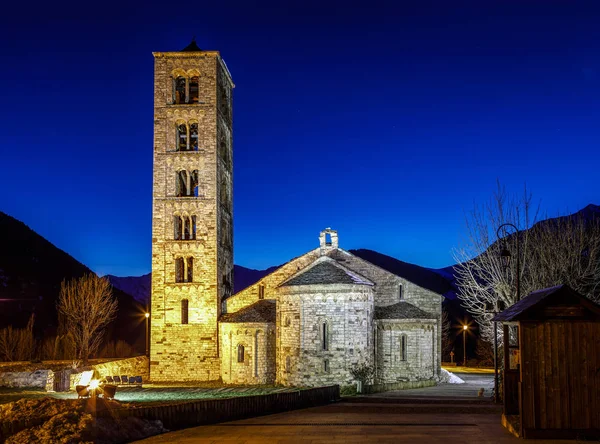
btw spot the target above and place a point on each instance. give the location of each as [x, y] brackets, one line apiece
[180, 90]
[194, 89]
[194, 137]
[185, 311]
[184, 270]
[182, 138]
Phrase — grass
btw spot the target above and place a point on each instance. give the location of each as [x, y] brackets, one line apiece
[461, 369]
[151, 393]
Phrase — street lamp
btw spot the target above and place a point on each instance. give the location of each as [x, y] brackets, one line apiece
[465, 328]
[505, 258]
[147, 315]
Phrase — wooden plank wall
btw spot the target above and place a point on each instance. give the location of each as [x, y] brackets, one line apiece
[560, 375]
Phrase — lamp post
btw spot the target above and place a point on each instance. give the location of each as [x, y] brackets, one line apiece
[147, 315]
[505, 260]
[465, 328]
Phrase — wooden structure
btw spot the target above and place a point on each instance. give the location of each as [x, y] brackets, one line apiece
[552, 365]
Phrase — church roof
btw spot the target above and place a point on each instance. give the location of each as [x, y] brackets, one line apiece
[326, 271]
[192, 47]
[401, 310]
[262, 311]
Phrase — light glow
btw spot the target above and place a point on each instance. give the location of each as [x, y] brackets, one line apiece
[94, 383]
[147, 315]
[465, 327]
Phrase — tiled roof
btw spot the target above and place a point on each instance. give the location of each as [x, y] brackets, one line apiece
[192, 47]
[261, 311]
[562, 293]
[326, 272]
[401, 310]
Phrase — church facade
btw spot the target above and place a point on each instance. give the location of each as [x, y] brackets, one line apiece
[308, 323]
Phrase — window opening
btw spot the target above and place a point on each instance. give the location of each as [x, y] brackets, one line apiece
[182, 137]
[194, 137]
[288, 364]
[324, 336]
[179, 270]
[240, 357]
[326, 365]
[180, 90]
[184, 311]
[327, 239]
[194, 89]
[403, 348]
[261, 291]
[190, 269]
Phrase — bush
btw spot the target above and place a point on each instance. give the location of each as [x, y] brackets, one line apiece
[363, 373]
[348, 390]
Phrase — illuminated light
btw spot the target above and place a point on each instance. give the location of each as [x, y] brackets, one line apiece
[147, 315]
[465, 327]
[94, 384]
[86, 377]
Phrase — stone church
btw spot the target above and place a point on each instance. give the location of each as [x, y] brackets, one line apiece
[308, 323]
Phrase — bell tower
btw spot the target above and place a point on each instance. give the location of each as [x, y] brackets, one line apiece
[192, 212]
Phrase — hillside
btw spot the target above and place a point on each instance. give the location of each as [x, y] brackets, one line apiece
[589, 213]
[31, 271]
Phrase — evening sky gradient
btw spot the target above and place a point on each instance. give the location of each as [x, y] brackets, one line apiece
[383, 120]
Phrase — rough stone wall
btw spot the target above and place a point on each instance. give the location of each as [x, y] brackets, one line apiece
[43, 379]
[181, 352]
[258, 340]
[421, 359]
[301, 310]
[250, 295]
[137, 366]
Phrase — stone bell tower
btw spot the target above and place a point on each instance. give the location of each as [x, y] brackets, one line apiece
[192, 212]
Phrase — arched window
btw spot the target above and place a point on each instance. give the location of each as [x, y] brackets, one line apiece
[194, 137]
[179, 270]
[180, 84]
[403, 345]
[261, 291]
[184, 227]
[184, 311]
[178, 228]
[325, 336]
[401, 292]
[240, 353]
[182, 139]
[326, 365]
[288, 364]
[190, 269]
[327, 238]
[181, 185]
[287, 321]
[195, 183]
[194, 89]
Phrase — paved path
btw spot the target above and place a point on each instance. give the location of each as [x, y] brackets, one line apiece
[473, 383]
[351, 423]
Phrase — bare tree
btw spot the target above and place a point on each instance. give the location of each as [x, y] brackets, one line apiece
[88, 306]
[17, 344]
[564, 250]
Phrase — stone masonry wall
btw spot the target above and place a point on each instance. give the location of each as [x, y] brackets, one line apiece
[258, 340]
[301, 310]
[43, 379]
[184, 352]
[250, 295]
[421, 360]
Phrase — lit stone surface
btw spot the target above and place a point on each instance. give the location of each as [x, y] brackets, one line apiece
[367, 310]
[181, 352]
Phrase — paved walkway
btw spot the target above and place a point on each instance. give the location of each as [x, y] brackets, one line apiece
[470, 389]
[351, 423]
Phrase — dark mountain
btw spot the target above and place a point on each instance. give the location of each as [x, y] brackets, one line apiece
[588, 214]
[424, 277]
[244, 277]
[31, 271]
[136, 286]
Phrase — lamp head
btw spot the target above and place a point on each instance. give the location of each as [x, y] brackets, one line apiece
[505, 258]
[147, 315]
[465, 327]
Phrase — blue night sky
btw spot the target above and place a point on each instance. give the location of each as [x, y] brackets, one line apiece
[385, 121]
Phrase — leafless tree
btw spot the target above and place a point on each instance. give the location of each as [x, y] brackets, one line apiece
[17, 344]
[564, 250]
[87, 305]
[447, 342]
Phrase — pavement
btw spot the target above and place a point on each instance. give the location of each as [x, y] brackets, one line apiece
[448, 413]
[354, 422]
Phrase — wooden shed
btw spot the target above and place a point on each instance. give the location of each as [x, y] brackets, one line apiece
[552, 365]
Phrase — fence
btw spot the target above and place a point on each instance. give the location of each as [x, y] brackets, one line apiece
[210, 411]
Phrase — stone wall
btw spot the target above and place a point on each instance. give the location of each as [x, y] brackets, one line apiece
[258, 340]
[270, 282]
[41, 379]
[187, 352]
[301, 311]
[137, 366]
[421, 361]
